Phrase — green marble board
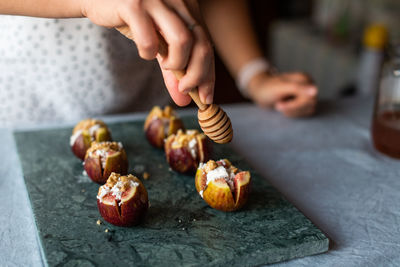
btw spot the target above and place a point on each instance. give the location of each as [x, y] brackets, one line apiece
[179, 230]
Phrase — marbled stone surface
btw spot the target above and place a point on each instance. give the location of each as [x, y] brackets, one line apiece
[179, 230]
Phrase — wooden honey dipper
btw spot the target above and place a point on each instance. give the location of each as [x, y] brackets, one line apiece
[212, 119]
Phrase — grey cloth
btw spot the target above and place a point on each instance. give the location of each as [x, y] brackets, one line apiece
[325, 165]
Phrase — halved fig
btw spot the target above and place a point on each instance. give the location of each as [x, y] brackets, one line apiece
[185, 150]
[160, 124]
[123, 200]
[85, 132]
[222, 185]
[104, 158]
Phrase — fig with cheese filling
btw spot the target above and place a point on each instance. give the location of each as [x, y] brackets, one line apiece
[185, 150]
[122, 200]
[222, 185]
[160, 124]
[86, 132]
[104, 158]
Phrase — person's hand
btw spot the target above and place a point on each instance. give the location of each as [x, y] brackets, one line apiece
[293, 94]
[143, 20]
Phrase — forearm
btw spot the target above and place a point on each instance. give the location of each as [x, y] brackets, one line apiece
[230, 27]
[42, 8]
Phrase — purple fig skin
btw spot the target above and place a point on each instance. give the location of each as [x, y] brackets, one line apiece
[128, 213]
[80, 147]
[161, 123]
[109, 212]
[83, 142]
[116, 161]
[134, 210]
[181, 160]
[93, 169]
[155, 133]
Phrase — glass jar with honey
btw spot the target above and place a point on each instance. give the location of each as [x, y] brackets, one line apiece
[386, 116]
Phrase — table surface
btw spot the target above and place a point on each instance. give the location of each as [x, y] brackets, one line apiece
[325, 165]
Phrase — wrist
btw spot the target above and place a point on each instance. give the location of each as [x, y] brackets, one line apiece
[250, 75]
[255, 84]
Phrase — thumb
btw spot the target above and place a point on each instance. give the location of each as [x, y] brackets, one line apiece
[172, 86]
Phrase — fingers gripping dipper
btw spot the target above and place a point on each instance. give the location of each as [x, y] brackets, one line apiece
[212, 119]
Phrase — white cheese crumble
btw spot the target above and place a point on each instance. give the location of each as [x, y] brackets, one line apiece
[92, 131]
[103, 153]
[104, 190]
[115, 190]
[193, 148]
[217, 173]
[73, 138]
[191, 132]
[103, 156]
[213, 175]
[134, 184]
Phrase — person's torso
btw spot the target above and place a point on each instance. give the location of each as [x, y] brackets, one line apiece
[71, 69]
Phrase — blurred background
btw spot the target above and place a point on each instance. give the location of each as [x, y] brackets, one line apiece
[338, 42]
